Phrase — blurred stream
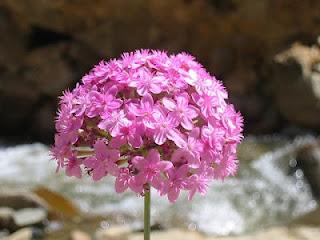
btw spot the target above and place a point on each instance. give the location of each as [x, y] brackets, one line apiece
[268, 190]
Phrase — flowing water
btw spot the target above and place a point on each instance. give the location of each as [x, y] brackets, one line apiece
[268, 190]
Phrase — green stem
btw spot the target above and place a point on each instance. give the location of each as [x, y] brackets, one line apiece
[147, 227]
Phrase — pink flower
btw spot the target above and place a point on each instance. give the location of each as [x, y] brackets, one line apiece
[182, 156]
[213, 136]
[192, 145]
[128, 132]
[145, 109]
[181, 109]
[125, 179]
[112, 122]
[150, 167]
[176, 182]
[145, 83]
[60, 150]
[67, 124]
[197, 183]
[73, 167]
[163, 126]
[129, 114]
[104, 162]
[103, 102]
[206, 103]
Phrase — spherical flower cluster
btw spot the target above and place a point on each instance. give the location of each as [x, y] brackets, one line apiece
[149, 119]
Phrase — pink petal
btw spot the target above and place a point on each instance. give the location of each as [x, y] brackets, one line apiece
[191, 112]
[135, 141]
[164, 165]
[169, 104]
[120, 185]
[74, 170]
[142, 90]
[155, 88]
[160, 137]
[147, 100]
[105, 124]
[192, 78]
[173, 194]
[186, 123]
[182, 100]
[133, 108]
[91, 162]
[116, 142]
[133, 83]
[153, 156]
[173, 119]
[113, 155]
[98, 173]
[157, 182]
[195, 132]
[112, 91]
[114, 104]
[138, 162]
[177, 137]
[135, 186]
[191, 194]
[113, 170]
[182, 171]
[101, 148]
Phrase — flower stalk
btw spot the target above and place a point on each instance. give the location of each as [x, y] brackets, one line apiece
[147, 203]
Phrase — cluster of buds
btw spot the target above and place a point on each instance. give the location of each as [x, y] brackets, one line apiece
[149, 119]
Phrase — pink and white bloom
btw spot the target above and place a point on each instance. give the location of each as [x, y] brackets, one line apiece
[104, 162]
[145, 83]
[181, 110]
[150, 167]
[111, 122]
[176, 182]
[128, 132]
[145, 109]
[73, 167]
[163, 126]
[126, 180]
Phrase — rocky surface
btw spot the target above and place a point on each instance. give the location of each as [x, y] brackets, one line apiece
[22, 234]
[47, 46]
[296, 85]
[309, 160]
[280, 233]
[21, 209]
[17, 199]
[85, 227]
[79, 235]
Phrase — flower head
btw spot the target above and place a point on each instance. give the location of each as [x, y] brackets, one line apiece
[149, 119]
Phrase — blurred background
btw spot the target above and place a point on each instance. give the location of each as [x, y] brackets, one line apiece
[266, 52]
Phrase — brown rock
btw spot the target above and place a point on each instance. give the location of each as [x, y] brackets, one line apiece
[241, 81]
[22, 234]
[30, 216]
[43, 121]
[278, 233]
[176, 234]
[11, 46]
[47, 71]
[113, 233]
[295, 86]
[19, 200]
[6, 219]
[79, 235]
